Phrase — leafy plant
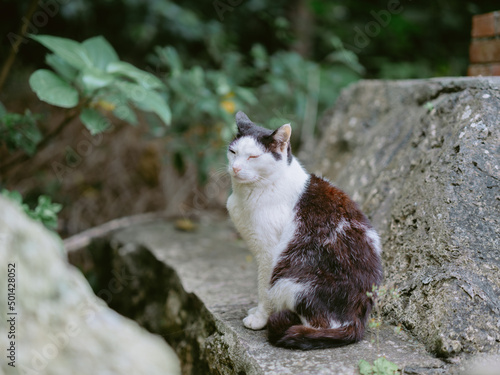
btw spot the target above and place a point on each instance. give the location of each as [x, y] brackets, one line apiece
[89, 76]
[45, 211]
[290, 88]
[381, 366]
[298, 90]
[205, 101]
[19, 131]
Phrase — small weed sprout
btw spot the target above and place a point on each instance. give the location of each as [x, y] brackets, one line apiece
[45, 211]
[429, 106]
[381, 366]
[381, 296]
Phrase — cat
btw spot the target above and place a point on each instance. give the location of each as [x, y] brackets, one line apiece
[317, 253]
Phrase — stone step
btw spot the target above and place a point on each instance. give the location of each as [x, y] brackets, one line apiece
[194, 289]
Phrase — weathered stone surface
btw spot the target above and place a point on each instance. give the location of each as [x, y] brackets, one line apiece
[422, 158]
[194, 289]
[61, 327]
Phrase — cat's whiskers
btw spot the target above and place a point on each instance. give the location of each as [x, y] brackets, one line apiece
[220, 172]
[221, 166]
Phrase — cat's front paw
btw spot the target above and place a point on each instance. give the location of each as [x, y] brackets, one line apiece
[255, 320]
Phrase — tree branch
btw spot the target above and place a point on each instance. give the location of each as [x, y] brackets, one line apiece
[15, 47]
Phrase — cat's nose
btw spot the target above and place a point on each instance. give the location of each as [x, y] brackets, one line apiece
[236, 169]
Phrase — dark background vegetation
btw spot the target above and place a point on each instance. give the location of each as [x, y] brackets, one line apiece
[279, 61]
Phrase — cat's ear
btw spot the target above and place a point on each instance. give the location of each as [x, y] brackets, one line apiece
[282, 136]
[243, 122]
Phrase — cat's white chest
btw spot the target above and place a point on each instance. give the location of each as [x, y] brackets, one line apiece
[263, 213]
[261, 219]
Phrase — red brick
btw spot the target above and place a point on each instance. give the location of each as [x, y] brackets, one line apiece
[483, 51]
[484, 70]
[486, 25]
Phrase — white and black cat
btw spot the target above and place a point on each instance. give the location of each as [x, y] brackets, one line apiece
[317, 254]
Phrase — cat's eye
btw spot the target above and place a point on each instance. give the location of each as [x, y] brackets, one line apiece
[232, 151]
[253, 157]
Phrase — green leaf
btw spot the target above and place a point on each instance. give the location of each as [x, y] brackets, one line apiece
[100, 52]
[348, 58]
[66, 71]
[20, 131]
[196, 76]
[169, 56]
[125, 113]
[122, 108]
[146, 100]
[383, 366]
[365, 368]
[14, 196]
[429, 106]
[50, 88]
[145, 79]
[94, 121]
[93, 79]
[156, 127]
[260, 57]
[45, 211]
[221, 82]
[209, 105]
[246, 95]
[69, 50]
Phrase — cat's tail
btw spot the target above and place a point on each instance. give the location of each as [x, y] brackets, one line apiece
[286, 330]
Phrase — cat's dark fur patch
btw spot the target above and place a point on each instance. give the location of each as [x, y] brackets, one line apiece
[262, 135]
[286, 332]
[342, 269]
[279, 323]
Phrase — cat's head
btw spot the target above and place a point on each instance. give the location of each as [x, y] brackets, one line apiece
[258, 154]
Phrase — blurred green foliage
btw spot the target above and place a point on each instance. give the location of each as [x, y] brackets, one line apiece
[280, 61]
[204, 100]
[432, 35]
[45, 211]
[204, 103]
[19, 131]
[90, 75]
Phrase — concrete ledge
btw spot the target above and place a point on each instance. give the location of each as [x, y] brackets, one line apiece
[195, 288]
